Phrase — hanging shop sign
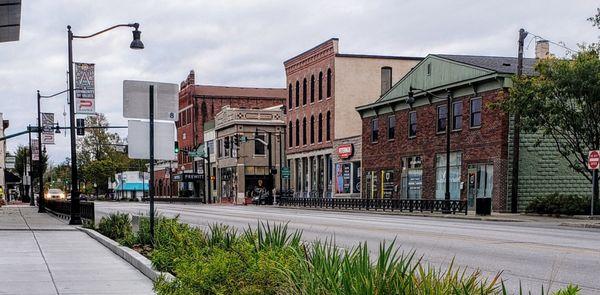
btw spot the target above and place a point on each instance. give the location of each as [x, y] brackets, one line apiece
[345, 151]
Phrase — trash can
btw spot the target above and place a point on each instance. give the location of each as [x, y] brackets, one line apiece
[483, 206]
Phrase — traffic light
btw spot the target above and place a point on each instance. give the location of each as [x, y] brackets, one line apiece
[236, 140]
[176, 148]
[80, 127]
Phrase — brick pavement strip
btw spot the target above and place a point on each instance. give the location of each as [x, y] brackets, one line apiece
[40, 254]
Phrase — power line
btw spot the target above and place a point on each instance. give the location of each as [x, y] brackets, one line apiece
[559, 44]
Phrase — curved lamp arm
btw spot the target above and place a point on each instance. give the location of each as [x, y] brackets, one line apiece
[134, 25]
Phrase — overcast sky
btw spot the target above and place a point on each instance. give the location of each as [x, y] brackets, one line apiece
[244, 43]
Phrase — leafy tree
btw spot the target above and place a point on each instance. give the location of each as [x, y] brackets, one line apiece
[563, 103]
[97, 143]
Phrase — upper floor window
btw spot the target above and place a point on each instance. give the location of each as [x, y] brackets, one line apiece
[374, 130]
[320, 85]
[312, 129]
[297, 132]
[297, 93]
[290, 132]
[386, 79]
[442, 117]
[328, 82]
[290, 96]
[412, 124]
[457, 115]
[304, 91]
[312, 88]
[391, 127]
[320, 132]
[328, 126]
[476, 112]
[259, 147]
[304, 131]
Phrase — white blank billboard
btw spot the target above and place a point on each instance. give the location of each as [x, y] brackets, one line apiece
[139, 140]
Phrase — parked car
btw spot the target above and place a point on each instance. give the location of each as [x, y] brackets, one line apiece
[55, 193]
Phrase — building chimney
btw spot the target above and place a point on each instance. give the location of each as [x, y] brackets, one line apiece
[542, 49]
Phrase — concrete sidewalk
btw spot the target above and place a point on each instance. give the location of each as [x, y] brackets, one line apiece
[40, 254]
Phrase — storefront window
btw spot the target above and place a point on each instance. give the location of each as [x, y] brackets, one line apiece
[342, 178]
[455, 163]
[412, 178]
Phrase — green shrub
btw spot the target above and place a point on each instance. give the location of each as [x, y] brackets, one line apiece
[115, 226]
[558, 204]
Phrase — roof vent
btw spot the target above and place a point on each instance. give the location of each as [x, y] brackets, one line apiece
[506, 64]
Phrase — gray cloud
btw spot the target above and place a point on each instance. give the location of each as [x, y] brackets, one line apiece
[244, 42]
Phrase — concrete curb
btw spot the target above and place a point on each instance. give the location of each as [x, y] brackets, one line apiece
[460, 216]
[141, 263]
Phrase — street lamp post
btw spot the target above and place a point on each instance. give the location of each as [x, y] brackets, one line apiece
[135, 44]
[448, 98]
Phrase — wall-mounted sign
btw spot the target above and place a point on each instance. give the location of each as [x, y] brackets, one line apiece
[85, 88]
[10, 162]
[345, 151]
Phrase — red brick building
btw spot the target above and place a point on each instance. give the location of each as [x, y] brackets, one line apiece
[404, 141]
[199, 104]
[324, 87]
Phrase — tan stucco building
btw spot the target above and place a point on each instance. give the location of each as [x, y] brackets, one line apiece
[323, 127]
[243, 164]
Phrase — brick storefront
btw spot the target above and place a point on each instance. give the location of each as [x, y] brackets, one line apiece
[199, 104]
[485, 144]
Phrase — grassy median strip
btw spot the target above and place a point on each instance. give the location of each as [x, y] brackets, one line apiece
[271, 259]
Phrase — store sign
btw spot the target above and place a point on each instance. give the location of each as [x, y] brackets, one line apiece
[10, 162]
[188, 177]
[345, 151]
[85, 95]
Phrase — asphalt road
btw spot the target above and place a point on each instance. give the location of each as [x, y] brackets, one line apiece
[530, 253]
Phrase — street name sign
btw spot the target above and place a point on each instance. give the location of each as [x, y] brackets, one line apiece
[85, 96]
[136, 102]
[594, 160]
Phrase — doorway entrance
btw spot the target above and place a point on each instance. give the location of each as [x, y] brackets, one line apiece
[481, 182]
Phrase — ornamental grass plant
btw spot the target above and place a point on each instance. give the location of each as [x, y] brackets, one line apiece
[272, 259]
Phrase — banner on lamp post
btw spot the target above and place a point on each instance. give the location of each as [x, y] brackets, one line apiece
[47, 132]
[35, 151]
[85, 96]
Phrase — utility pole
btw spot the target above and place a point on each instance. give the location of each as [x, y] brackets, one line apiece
[30, 188]
[517, 132]
[41, 201]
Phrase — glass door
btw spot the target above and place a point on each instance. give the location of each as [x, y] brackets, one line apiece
[481, 182]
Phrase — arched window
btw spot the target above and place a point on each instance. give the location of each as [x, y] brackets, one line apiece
[328, 126]
[304, 92]
[320, 85]
[312, 129]
[290, 96]
[320, 131]
[304, 131]
[297, 93]
[328, 82]
[312, 88]
[297, 132]
[290, 132]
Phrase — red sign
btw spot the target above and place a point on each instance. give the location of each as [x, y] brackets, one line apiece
[345, 151]
[594, 160]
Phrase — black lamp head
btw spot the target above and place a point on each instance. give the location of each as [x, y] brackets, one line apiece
[136, 43]
[411, 96]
